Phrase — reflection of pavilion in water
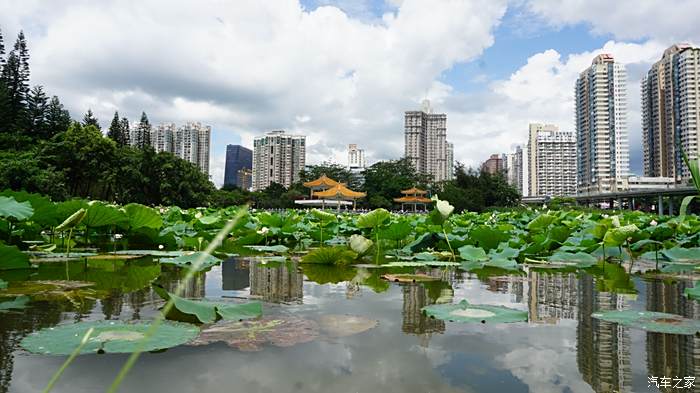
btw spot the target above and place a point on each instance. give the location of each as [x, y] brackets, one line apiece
[415, 297]
[552, 296]
[276, 284]
[603, 348]
[672, 355]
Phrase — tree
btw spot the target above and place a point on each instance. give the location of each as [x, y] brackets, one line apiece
[116, 132]
[14, 90]
[37, 111]
[2, 50]
[126, 132]
[143, 133]
[475, 191]
[90, 120]
[386, 179]
[334, 171]
[57, 119]
[23, 57]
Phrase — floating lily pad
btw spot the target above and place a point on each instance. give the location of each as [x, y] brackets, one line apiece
[12, 258]
[465, 312]
[107, 337]
[338, 325]
[154, 253]
[578, 259]
[254, 334]
[678, 254]
[420, 264]
[409, 277]
[693, 293]
[650, 321]
[3, 284]
[202, 311]
[276, 249]
[17, 303]
[188, 260]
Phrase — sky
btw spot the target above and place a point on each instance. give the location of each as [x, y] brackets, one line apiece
[343, 71]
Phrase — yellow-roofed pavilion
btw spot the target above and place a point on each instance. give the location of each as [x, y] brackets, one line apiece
[413, 196]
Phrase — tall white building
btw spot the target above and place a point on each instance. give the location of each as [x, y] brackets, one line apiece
[356, 158]
[551, 161]
[671, 111]
[426, 145]
[192, 143]
[163, 137]
[515, 172]
[450, 160]
[601, 126]
[277, 158]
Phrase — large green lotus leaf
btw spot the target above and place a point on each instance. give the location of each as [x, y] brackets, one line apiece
[487, 237]
[12, 258]
[279, 248]
[205, 311]
[108, 337]
[373, 219]
[3, 284]
[422, 242]
[506, 264]
[693, 293]
[72, 221]
[465, 312]
[9, 207]
[396, 231]
[17, 303]
[100, 214]
[154, 253]
[650, 321]
[359, 244]
[207, 260]
[540, 222]
[678, 254]
[677, 267]
[421, 264]
[471, 253]
[578, 259]
[505, 253]
[140, 216]
[618, 236]
[323, 217]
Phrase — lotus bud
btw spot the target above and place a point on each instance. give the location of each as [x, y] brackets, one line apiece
[653, 223]
[444, 208]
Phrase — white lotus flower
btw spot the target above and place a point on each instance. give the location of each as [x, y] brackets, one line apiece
[444, 208]
[359, 244]
[198, 215]
[118, 236]
[616, 221]
[263, 230]
[160, 247]
[653, 223]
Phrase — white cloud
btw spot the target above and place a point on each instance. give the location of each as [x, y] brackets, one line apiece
[625, 19]
[253, 66]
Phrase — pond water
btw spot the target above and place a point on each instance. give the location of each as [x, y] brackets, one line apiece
[560, 349]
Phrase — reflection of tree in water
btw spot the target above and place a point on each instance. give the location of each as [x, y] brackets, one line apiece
[603, 348]
[278, 284]
[415, 297]
[113, 303]
[14, 326]
[672, 355]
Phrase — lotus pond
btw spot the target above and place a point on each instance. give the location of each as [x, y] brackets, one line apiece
[517, 301]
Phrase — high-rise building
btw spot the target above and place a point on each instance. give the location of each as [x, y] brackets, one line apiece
[515, 169]
[356, 158]
[551, 161]
[601, 126]
[494, 164]
[425, 142]
[190, 142]
[277, 158]
[671, 111]
[237, 158]
[450, 160]
[244, 178]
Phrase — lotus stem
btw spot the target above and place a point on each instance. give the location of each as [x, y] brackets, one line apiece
[448, 244]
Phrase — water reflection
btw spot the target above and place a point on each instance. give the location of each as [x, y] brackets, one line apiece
[415, 297]
[552, 296]
[278, 284]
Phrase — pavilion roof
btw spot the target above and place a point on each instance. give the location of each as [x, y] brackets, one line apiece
[414, 191]
[322, 182]
[413, 199]
[339, 191]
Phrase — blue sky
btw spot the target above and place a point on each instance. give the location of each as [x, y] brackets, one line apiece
[344, 71]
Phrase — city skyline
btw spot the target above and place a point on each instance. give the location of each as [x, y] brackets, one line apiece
[515, 66]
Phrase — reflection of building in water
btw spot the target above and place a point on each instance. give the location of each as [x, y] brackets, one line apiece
[506, 284]
[552, 296]
[193, 289]
[235, 274]
[113, 303]
[415, 297]
[603, 348]
[672, 355]
[276, 284]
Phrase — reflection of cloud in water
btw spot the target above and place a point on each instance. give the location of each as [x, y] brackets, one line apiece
[545, 370]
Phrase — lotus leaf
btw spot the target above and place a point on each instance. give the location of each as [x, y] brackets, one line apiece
[202, 259]
[17, 303]
[140, 216]
[3, 284]
[421, 264]
[409, 277]
[108, 337]
[12, 258]
[202, 311]
[578, 259]
[693, 293]
[471, 253]
[154, 253]
[618, 236]
[678, 254]
[397, 231]
[9, 207]
[373, 219]
[337, 325]
[279, 249]
[651, 321]
[465, 312]
[99, 214]
[540, 222]
[253, 335]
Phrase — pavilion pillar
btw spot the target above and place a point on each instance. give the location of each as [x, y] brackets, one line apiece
[661, 206]
[670, 206]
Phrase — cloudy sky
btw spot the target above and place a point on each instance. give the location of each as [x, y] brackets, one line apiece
[342, 71]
